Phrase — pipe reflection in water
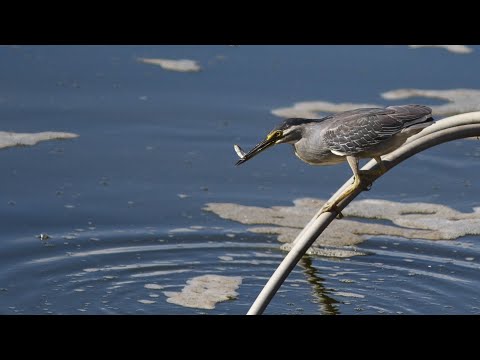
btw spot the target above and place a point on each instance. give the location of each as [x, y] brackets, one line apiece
[327, 303]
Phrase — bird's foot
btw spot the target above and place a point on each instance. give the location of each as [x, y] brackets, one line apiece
[367, 177]
[332, 207]
[363, 180]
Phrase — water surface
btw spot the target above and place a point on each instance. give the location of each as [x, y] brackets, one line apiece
[122, 203]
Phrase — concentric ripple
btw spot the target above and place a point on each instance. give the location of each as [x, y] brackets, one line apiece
[130, 271]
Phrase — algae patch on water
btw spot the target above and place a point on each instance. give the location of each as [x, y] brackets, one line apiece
[182, 65]
[363, 219]
[458, 101]
[204, 292]
[312, 109]
[10, 139]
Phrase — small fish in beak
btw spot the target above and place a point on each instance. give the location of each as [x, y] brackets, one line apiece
[265, 144]
[241, 154]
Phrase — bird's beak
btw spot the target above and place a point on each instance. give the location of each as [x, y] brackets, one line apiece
[265, 144]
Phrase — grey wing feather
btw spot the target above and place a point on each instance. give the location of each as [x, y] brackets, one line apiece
[358, 130]
[411, 114]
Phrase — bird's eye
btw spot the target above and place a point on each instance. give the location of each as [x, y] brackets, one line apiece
[275, 134]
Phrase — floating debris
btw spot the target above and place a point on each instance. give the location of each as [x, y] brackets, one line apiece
[204, 292]
[43, 237]
[182, 65]
[457, 49]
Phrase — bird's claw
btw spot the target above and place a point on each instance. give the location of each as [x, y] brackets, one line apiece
[367, 178]
[333, 209]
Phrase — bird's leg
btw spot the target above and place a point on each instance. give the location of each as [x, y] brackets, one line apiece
[329, 206]
[382, 168]
[362, 178]
[380, 163]
[368, 176]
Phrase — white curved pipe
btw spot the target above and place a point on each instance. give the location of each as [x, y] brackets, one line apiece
[448, 129]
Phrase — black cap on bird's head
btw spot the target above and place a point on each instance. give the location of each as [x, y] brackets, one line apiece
[288, 131]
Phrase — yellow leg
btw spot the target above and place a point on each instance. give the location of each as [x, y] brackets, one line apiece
[329, 206]
[362, 178]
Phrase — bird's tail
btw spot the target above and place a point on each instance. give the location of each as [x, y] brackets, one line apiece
[421, 124]
[413, 116]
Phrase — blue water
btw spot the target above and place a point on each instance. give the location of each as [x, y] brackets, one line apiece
[154, 146]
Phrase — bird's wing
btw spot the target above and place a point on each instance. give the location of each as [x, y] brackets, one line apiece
[358, 130]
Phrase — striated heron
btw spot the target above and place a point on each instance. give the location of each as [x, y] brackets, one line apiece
[350, 136]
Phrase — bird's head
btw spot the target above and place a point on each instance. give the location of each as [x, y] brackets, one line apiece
[288, 131]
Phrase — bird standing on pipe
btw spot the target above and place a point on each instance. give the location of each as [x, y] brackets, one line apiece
[349, 135]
